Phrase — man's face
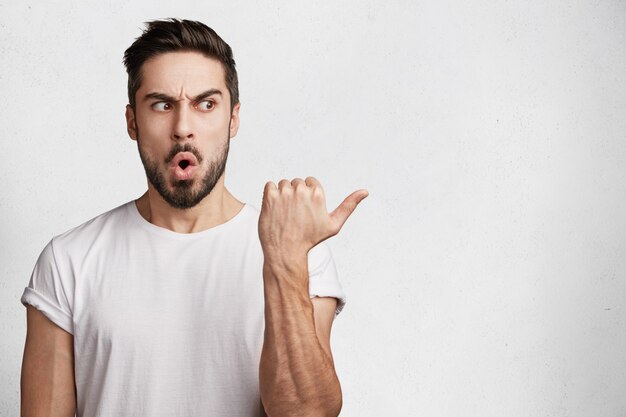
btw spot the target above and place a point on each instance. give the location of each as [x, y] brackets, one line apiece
[183, 124]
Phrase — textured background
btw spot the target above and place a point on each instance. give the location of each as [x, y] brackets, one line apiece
[485, 273]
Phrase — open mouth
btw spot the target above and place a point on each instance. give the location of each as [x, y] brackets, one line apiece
[184, 165]
[184, 159]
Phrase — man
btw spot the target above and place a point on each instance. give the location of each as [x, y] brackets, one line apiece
[186, 301]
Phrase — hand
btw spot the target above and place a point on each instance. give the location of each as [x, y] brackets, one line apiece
[294, 218]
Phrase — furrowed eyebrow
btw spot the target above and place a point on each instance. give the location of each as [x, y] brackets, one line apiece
[199, 97]
[159, 96]
[207, 93]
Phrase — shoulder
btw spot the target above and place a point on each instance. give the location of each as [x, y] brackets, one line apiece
[102, 225]
[251, 210]
[248, 218]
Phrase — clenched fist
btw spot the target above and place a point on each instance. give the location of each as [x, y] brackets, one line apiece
[294, 219]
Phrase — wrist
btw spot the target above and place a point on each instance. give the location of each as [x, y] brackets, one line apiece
[285, 261]
[286, 279]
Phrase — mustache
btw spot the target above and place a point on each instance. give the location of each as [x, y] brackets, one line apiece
[187, 147]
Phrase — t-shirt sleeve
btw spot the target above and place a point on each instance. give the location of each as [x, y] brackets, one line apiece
[323, 278]
[49, 292]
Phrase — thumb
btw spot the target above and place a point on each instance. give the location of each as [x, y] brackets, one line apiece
[346, 208]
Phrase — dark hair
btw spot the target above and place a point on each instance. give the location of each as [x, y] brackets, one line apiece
[172, 35]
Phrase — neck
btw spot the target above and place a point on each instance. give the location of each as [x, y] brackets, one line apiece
[216, 208]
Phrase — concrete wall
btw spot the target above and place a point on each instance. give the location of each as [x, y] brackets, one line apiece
[485, 273]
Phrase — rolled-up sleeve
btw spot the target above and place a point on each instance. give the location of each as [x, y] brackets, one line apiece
[49, 292]
[323, 277]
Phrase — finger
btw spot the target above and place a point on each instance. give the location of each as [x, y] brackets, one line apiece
[284, 184]
[346, 208]
[297, 181]
[269, 187]
[268, 192]
[312, 182]
[316, 186]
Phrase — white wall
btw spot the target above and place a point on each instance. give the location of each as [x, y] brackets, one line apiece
[485, 272]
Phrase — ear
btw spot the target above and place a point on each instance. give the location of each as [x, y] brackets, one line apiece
[131, 122]
[234, 121]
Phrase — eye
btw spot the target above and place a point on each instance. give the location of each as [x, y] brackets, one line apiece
[205, 105]
[161, 106]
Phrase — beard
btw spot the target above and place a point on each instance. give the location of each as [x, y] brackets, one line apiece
[181, 194]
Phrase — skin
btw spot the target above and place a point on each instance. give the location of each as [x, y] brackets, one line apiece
[47, 383]
[161, 124]
[296, 373]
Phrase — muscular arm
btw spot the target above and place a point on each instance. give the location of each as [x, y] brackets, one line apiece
[297, 374]
[47, 382]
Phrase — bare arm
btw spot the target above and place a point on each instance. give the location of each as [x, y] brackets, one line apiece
[296, 373]
[47, 382]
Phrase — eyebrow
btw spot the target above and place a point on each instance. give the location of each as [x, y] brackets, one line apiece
[199, 97]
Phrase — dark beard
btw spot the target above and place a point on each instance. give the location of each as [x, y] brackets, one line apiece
[182, 196]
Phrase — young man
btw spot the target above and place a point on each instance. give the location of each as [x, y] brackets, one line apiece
[186, 301]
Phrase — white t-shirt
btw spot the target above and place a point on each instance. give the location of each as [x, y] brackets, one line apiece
[164, 323]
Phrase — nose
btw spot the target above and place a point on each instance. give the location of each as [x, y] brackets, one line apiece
[182, 128]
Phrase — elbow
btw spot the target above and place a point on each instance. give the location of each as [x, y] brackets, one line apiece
[326, 406]
[332, 403]
[333, 407]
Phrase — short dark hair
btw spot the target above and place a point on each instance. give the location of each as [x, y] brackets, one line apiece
[172, 35]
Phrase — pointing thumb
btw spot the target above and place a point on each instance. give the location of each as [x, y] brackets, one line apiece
[346, 208]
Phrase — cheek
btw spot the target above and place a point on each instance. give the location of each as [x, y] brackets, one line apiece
[212, 127]
[152, 127]
[150, 145]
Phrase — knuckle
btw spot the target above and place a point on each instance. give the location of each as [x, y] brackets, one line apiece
[318, 192]
[269, 186]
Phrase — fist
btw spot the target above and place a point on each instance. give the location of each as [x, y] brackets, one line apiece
[294, 218]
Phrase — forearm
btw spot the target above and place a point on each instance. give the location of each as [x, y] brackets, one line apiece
[297, 377]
